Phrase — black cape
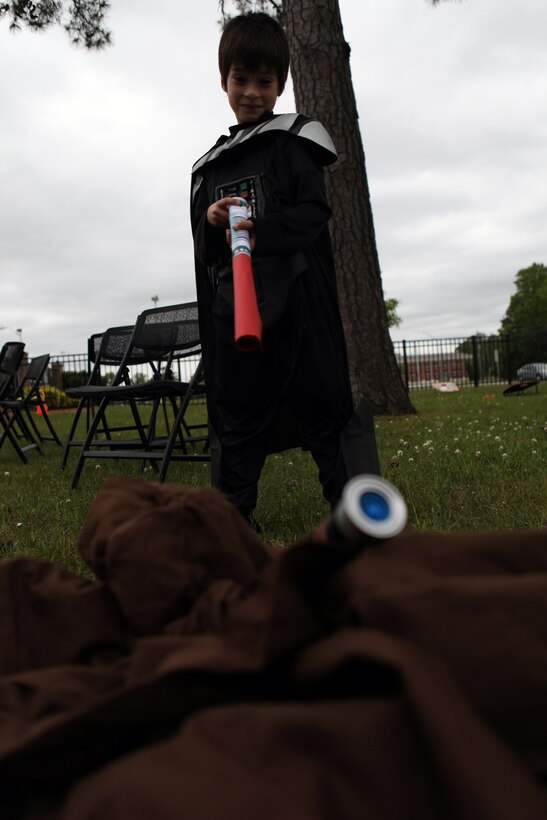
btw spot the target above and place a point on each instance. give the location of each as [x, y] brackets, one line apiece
[277, 165]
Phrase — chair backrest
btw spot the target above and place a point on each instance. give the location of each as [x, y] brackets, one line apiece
[107, 349]
[170, 329]
[93, 347]
[163, 334]
[34, 376]
[113, 344]
[11, 356]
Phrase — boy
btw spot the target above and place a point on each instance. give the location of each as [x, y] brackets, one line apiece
[299, 380]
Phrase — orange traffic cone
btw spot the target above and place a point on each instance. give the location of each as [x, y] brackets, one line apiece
[44, 405]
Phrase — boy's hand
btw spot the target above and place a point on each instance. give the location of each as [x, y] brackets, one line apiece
[217, 213]
[244, 225]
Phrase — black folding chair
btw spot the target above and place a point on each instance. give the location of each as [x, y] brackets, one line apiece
[104, 350]
[19, 411]
[11, 356]
[163, 338]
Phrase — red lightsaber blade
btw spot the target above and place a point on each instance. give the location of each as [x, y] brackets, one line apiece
[247, 321]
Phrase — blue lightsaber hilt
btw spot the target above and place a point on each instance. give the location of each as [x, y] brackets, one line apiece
[370, 510]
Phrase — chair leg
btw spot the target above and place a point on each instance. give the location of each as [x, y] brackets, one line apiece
[14, 418]
[166, 460]
[143, 433]
[87, 441]
[182, 427]
[177, 424]
[32, 423]
[69, 442]
[13, 440]
[45, 415]
[151, 432]
[100, 418]
[101, 428]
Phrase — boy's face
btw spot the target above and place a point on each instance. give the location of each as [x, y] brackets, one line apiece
[251, 93]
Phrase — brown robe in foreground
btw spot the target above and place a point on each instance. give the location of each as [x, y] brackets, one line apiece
[206, 676]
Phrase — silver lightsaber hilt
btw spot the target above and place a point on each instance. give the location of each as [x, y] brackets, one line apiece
[371, 509]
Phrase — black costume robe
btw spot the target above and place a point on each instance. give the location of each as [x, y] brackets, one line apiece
[299, 381]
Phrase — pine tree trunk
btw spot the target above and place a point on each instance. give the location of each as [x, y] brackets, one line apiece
[323, 90]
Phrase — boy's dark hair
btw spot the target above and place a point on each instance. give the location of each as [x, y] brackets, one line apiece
[253, 40]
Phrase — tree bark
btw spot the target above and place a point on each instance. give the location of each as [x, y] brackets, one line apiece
[323, 90]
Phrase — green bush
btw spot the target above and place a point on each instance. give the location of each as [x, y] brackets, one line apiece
[56, 399]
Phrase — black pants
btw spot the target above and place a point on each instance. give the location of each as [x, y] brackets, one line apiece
[301, 370]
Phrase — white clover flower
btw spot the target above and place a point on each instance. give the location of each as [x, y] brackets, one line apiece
[6, 474]
[411, 460]
[504, 455]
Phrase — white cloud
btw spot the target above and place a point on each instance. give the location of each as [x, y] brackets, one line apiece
[96, 150]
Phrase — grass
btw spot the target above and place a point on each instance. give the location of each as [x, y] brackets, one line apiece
[469, 460]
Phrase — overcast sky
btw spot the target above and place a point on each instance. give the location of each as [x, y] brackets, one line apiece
[96, 150]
